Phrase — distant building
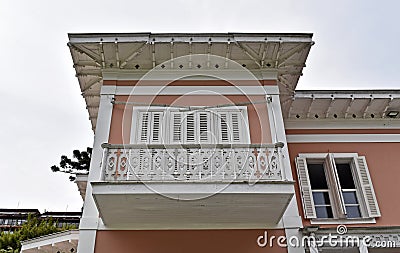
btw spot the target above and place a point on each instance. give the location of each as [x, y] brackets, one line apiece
[63, 218]
[13, 219]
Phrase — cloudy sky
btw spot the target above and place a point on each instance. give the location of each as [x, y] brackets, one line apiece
[43, 114]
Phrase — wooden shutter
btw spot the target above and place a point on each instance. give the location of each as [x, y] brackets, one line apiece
[231, 127]
[156, 123]
[236, 128]
[204, 127]
[305, 188]
[367, 187]
[150, 127]
[223, 127]
[190, 128]
[334, 186]
[176, 127]
[144, 127]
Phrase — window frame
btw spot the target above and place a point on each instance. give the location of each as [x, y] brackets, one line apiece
[353, 159]
[166, 127]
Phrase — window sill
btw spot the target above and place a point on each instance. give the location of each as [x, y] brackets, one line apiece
[343, 221]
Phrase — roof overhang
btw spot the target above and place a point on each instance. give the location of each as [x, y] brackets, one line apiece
[95, 54]
[306, 105]
[81, 182]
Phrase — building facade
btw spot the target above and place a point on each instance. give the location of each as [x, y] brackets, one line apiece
[13, 219]
[202, 143]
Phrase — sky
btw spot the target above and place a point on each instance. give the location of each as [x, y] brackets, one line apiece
[43, 115]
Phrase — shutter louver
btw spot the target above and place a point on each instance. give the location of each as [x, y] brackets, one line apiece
[176, 127]
[156, 127]
[236, 127]
[305, 188]
[204, 126]
[224, 134]
[144, 127]
[190, 128]
[367, 187]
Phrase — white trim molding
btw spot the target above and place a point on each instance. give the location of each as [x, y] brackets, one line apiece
[310, 138]
[342, 221]
[191, 74]
[343, 124]
[189, 90]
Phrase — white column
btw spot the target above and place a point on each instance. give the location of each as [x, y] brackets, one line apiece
[90, 217]
[291, 219]
[313, 249]
[297, 234]
[278, 129]
[362, 247]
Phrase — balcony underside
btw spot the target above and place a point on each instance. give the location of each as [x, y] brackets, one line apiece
[196, 205]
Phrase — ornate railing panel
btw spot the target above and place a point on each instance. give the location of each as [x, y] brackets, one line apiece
[205, 163]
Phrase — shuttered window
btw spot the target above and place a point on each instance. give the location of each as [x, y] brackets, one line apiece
[192, 127]
[150, 127]
[336, 186]
[231, 127]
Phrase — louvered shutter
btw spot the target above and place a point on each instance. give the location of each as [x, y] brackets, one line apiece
[223, 127]
[367, 187]
[144, 127]
[334, 185]
[190, 128]
[150, 127]
[305, 188]
[204, 127]
[236, 120]
[231, 127]
[156, 124]
[176, 127]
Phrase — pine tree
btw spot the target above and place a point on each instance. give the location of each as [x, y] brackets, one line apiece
[69, 166]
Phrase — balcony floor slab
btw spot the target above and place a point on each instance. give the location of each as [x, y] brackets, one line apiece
[197, 205]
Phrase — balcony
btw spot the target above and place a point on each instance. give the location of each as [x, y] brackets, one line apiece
[192, 186]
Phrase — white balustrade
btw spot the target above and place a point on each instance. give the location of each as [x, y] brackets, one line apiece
[190, 163]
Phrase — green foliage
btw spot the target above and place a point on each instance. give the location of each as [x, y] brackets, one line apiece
[79, 166]
[34, 227]
[9, 250]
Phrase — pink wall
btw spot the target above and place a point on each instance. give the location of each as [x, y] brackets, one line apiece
[183, 241]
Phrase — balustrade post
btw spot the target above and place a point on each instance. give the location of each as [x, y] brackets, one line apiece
[280, 163]
[103, 165]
